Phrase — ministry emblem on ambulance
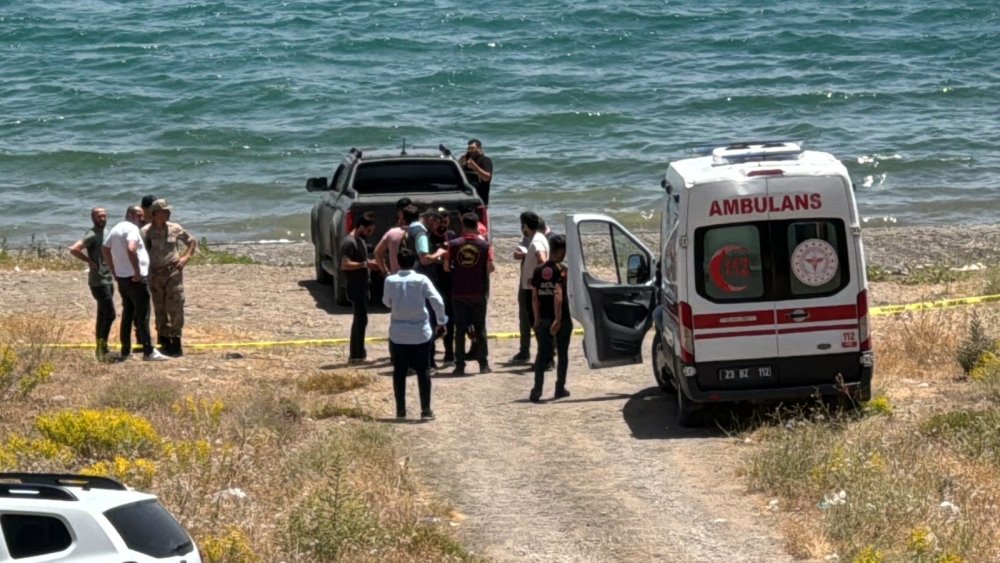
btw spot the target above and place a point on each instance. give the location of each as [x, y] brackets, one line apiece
[814, 262]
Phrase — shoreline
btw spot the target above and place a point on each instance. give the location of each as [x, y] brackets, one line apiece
[894, 249]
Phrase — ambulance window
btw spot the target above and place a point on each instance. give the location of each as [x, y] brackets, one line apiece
[729, 263]
[606, 250]
[817, 256]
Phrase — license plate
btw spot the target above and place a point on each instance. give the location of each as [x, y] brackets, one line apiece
[745, 374]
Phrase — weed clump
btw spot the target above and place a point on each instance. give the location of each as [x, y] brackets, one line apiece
[26, 355]
[977, 343]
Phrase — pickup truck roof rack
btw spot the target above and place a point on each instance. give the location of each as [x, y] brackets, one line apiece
[440, 148]
[85, 482]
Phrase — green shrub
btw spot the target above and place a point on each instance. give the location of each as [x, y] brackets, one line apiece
[208, 255]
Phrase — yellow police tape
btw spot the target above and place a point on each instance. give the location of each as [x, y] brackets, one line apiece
[882, 311]
[928, 305]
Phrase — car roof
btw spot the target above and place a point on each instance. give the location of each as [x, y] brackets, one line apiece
[88, 500]
[55, 492]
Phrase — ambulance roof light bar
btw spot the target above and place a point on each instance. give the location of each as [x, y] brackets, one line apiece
[759, 151]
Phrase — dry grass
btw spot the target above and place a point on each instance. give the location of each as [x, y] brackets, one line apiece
[231, 442]
[918, 482]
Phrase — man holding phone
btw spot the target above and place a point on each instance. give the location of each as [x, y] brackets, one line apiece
[478, 169]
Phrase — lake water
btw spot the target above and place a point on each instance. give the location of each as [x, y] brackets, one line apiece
[226, 108]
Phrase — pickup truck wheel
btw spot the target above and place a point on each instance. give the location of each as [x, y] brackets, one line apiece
[664, 377]
[340, 292]
[322, 276]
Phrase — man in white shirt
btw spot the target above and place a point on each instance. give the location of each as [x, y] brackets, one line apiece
[407, 294]
[533, 252]
[126, 257]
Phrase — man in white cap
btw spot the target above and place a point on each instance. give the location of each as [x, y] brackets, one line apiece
[170, 247]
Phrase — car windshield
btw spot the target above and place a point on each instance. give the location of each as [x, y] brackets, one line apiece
[407, 176]
[148, 528]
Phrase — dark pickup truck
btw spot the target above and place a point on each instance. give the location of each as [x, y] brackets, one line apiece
[373, 180]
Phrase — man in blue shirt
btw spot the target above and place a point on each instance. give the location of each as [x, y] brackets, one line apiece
[407, 294]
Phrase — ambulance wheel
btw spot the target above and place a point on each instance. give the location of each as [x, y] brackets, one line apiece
[662, 374]
[688, 412]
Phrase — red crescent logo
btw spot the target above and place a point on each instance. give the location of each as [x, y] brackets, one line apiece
[716, 267]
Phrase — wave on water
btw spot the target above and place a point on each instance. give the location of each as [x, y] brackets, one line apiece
[227, 108]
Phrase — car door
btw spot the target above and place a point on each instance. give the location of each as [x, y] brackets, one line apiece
[610, 288]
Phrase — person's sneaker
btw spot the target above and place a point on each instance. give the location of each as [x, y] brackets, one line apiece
[535, 396]
[561, 394]
[355, 361]
[485, 368]
[520, 358]
[551, 366]
[427, 416]
[459, 371]
[154, 356]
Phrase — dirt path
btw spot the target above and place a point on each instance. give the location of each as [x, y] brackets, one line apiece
[601, 476]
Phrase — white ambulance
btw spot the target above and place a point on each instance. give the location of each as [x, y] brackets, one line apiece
[759, 291]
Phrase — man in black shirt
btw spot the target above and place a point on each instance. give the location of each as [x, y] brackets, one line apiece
[470, 261]
[550, 305]
[356, 265]
[88, 249]
[478, 169]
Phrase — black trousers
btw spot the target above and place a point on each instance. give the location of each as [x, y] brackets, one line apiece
[546, 343]
[404, 358]
[470, 313]
[358, 294]
[135, 311]
[104, 295]
[526, 319]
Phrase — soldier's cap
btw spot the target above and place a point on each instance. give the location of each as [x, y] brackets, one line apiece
[148, 200]
[160, 205]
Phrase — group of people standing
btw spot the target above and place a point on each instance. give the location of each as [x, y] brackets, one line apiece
[437, 287]
[144, 255]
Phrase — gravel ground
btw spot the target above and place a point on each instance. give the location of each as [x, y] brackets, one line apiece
[601, 476]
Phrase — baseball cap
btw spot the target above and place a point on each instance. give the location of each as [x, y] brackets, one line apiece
[160, 205]
[148, 200]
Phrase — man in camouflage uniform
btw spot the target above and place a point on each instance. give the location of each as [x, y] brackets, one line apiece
[170, 247]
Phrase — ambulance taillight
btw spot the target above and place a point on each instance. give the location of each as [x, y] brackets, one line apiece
[349, 221]
[864, 330]
[687, 333]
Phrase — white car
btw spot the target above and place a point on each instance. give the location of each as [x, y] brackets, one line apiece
[51, 517]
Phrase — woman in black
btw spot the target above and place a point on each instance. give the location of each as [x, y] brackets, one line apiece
[553, 324]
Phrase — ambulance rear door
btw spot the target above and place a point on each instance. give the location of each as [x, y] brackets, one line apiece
[731, 299]
[816, 266]
[610, 288]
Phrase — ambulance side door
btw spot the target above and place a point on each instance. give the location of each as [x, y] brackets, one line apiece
[611, 288]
